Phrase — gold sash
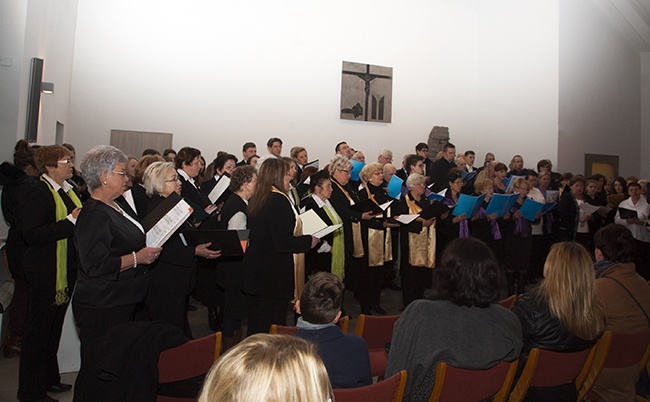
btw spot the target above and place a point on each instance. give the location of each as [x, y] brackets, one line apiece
[357, 242]
[422, 246]
[380, 245]
[298, 259]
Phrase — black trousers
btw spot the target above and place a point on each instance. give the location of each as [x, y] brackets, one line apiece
[94, 323]
[264, 311]
[39, 366]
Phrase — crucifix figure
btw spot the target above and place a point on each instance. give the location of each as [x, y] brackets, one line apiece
[367, 77]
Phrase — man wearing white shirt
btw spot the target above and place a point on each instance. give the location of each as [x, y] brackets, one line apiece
[470, 156]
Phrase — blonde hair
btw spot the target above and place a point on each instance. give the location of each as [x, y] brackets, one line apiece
[482, 185]
[268, 368]
[569, 289]
[155, 176]
[370, 169]
[518, 183]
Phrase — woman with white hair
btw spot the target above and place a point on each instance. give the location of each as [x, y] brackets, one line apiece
[171, 276]
[112, 251]
[417, 241]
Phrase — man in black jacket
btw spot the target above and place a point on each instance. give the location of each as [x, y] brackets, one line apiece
[442, 166]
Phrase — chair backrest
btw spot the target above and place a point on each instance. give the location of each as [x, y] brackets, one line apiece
[189, 360]
[615, 350]
[389, 390]
[457, 384]
[377, 332]
[509, 302]
[545, 368]
[343, 323]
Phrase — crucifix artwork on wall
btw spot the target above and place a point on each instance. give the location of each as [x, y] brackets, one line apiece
[366, 92]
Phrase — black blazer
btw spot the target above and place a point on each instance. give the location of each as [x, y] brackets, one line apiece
[103, 236]
[315, 261]
[268, 263]
[141, 200]
[41, 231]
[189, 192]
[342, 206]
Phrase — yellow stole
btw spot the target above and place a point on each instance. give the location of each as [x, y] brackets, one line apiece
[357, 241]
[298, 259]
[422, 246]
[380, 246]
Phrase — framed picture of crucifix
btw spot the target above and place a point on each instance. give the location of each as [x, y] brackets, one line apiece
[366, 92]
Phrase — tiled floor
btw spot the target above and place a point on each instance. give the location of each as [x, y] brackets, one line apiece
[391, 302]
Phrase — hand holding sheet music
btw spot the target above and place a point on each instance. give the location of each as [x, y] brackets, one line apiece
[165, 219]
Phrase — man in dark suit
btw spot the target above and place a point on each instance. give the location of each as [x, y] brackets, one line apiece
[248, 150]
[442, 166]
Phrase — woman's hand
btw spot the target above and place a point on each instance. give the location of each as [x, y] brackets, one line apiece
[387, 224]
[148, 255]
[518, 215]
[428, 222]
[459, 218]
[368, 215]
[202, 250]
[492, 217]
[585, 218]
[314, 241]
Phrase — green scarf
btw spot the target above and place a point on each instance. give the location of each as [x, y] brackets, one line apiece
[338, 245]
[61, 212]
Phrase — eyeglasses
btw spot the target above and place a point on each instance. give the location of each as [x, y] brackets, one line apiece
[345, 171]
[457, 182]
[120, 173]
[65, 161]
[174, 179]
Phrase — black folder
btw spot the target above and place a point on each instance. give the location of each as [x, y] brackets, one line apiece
[161, 210]
[627, 213]
[230, 242]
[435, 210]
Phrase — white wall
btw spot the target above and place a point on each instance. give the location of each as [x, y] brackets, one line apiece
[645, 115]
[218, 74]
[600, 89]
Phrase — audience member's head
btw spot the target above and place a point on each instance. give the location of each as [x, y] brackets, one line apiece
[469, 278]
[615, 243]
[268, 368]
[322, 298]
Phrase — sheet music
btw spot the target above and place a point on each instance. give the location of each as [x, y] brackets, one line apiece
[406, 219]
[219, 188]
[552, 195]
[167, 225]
[385, 205]
[311, 222]
[588, 208]
[324, 232]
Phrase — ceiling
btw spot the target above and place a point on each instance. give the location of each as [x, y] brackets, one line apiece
[633, 17]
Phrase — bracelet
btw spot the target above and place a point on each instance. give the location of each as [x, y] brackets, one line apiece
[135, 260]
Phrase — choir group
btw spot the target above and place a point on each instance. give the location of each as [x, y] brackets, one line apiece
[81, 237]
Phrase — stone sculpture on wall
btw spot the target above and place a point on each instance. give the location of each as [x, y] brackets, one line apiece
[438, 137]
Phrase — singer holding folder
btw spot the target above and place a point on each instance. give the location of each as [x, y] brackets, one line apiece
[50, 266]
[111, 245]
[418, 241]
[276, 235]
[171, 276]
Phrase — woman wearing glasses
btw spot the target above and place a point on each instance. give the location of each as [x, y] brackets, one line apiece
[171, 276]
[50, 266]
[113, 255]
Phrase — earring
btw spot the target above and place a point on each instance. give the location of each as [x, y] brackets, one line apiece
[105, 182]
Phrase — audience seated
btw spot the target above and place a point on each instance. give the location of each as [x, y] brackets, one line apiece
[457, 327]
[345, 356]
[268, 368]
[556, 319]
[625, 296]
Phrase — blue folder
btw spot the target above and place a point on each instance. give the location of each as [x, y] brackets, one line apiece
[395, 187]
[468, 205]
[547, 207]
[356, 169]
[500, 204]
[530, 208]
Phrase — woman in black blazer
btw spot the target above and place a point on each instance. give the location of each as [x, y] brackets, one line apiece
[49, 213]
[275, 237]
[171, 276]
[113, 255]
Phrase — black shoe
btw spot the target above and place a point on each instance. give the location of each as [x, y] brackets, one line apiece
[393, 286]
[377, 309]
[58, 388]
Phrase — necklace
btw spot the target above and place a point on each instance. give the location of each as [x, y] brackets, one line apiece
[115, 207]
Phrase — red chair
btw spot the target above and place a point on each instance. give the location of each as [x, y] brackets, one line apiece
[545, 368]
[509, 302]
[189, 360]
[616, 350]
[377, 331]
[389, 390]
[343, 323]
[456, 384]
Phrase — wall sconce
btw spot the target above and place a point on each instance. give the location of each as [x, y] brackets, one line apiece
[47, 87]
